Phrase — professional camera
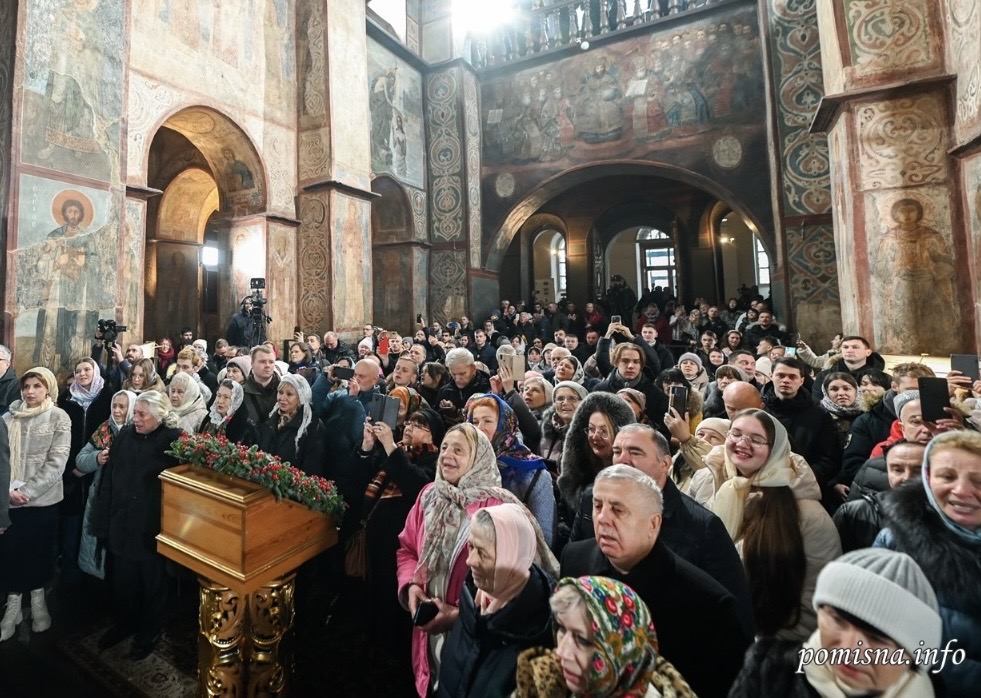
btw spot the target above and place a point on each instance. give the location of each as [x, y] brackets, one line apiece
[108, 330]
[259, 319]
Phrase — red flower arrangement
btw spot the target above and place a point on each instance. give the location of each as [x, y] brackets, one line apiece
[282, 479]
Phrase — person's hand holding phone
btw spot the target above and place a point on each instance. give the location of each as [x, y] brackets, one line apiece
[496, 385]
[415, 596]
[444, 619]
[677, 425]
[368, 436]
[953, 422]
[505, 378]
[383, 433]
[955, 380]
[353, 389]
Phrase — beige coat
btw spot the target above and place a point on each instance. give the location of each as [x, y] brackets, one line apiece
[46, 441]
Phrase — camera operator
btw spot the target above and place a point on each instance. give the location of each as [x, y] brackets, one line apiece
[108, 353]
[240, 327]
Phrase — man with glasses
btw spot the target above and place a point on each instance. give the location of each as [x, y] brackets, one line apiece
[9, 385]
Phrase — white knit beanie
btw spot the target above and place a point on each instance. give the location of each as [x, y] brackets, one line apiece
[887, 590]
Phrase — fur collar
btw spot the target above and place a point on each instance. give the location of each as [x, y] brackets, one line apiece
[952, 565]
[577, 470]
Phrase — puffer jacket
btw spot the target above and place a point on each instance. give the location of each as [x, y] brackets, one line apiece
[481, 652]
[859, 521]
[870, 479]
[45, 447]
[953, 566]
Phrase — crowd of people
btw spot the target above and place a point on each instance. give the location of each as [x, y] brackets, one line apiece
[635, 499]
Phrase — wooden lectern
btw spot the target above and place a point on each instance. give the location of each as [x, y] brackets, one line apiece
[245, 546]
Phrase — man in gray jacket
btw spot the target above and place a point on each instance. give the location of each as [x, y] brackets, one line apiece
[9, 385]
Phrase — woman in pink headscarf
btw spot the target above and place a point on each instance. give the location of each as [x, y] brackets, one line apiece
[503, 606]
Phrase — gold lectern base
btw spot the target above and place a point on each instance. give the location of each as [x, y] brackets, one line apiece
[240, 648]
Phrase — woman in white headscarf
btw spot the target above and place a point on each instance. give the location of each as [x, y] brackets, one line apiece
[187, 401]
[226, 418]
[39, 435]
[90, 460]
[293, 432]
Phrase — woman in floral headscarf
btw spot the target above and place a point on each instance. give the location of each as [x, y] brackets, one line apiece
[90, 460]
[432, 557]
[606, 647]
[522, 472]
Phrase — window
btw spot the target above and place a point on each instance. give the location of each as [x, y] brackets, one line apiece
[558, 264]
[657, 263]
[762, 267]
[393, 12]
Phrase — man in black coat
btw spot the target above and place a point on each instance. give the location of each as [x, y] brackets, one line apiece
[857, 357]
[699, 628]
[812, 432]
[261, 386]
[465, 380]
[9, 385]
[690, 530]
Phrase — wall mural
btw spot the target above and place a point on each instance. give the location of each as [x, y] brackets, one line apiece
[8, 28]
[662, 86]
[972, 194]
[395, 100]
[65, 269]
[445, 143]
[964, 43]
[73, 87]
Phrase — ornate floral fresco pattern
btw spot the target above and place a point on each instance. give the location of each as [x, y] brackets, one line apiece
[964, 47]
[902, 142]
[886, 34]
[471, 120]
[445, 154]
[314, 259]
[448, 284]
[813, 266]
[796, 55]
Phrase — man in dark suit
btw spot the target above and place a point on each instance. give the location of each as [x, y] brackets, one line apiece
[690, 530]
[699, 629]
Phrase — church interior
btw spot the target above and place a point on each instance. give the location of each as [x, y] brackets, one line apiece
[380, 161]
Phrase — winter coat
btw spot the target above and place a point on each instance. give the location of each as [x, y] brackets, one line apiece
[953, 567]
[310, 456]
[873, 477]
[407, 559]
[90, 559]
[259, 401]
[126, 514]
[812, 433]
[859, 521]
[821, 544]
[697, 619]
[553, 440]
[578, 470]
[4, 476]
[84, 424]
[480, 383]
[714, 406]
[868, 430]
[238, 429]
[874, 361]
[45, 447]
[657, 401]
[9, 389]
[481, 652]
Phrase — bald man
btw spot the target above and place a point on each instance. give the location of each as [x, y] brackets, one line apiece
[740, 396]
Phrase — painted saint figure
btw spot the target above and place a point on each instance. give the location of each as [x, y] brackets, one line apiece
[914, 269]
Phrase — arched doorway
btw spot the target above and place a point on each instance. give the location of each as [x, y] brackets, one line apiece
[400, 258]
[212, 185]
[550, 265]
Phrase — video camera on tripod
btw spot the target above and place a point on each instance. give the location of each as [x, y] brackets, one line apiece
[257, 313]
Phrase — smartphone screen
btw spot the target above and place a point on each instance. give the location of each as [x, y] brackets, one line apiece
[616, 319]
[790, 351]
[966, 364]
[679, 399]
[934, 397]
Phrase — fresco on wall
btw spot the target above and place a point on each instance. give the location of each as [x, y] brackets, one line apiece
[395, 101]
[73, 87]
[668, 85]
[65, 268]
[972, 191]
[964, 43]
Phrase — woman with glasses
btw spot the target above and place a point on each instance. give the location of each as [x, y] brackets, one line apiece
[770, 503]
[566, 397]
[385, 478]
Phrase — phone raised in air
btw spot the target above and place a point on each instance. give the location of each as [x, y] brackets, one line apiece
[616, 320]
[967, 364]
[678, 399]
[934, 397]
[384, 408]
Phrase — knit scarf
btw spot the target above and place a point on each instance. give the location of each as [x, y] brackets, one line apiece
[627, 384]
[21, 413]
[165, 358]
[374, 490]
[447, 523]
[86, 396]
[777, 471]
[841, 411]
[823, 679]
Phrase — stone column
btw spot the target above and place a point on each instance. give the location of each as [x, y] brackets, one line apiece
[901, 247]
[458, 285]
[334, 238]
[8, 30]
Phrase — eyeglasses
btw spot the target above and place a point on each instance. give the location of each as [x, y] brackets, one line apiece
[753, 440]
[601, 433]
[568, 398]
[413, 425]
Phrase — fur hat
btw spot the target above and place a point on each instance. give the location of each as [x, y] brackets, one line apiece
[885, 589]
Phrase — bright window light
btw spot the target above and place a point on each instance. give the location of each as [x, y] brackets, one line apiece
[481, 16]
[209, 256]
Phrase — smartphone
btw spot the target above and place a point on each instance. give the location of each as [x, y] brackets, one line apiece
[297, 329]
[384, 408]
[425, 612]
[790, 351]
[934, 397]
[383, 345]
[678, 399]
[419, 318]
[343, 373]
[966, 364]
[616, 319]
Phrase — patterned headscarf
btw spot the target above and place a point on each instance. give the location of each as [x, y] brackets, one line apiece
[625, 657]
[238, 396]
[303, 391]
[86, 396]
[446, 522]
[411, 400]
[507, 441]
[103, 436]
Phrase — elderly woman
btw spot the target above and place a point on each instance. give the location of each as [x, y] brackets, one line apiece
[410, 402]
[293, 432]
[142, 377]
[226, 418]
[711, 432]
[384, 478]
[433, 550]
[90, 460]
[566, 397]
[937, 521]
[86, 402]
[238, 369]
[503, 607]
[770, 503]
[187, 402]
[522, 472]
[589, 443]
[568, 368]
[869, 600]
[39, 435]
[606, 646]
[537, 394]
[127, 517]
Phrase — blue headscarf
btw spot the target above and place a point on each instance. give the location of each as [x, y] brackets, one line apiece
[512, 455]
